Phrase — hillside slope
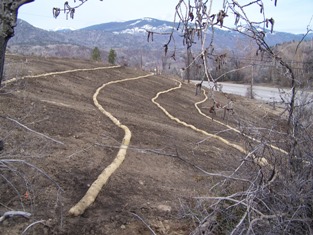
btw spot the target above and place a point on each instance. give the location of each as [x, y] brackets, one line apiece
[51, 122]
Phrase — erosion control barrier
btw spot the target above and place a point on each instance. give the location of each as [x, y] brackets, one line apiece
[230, 127]
[260, 161]
[58, 73]
[97, 185]
[189, 125]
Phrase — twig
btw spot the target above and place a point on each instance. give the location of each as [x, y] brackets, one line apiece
[79, 151]
[307, 32]
[38, 133]
[231, 199]
[3, 205]
[32, 224]
[209, 137]
[140, 150]
[240, 222]
[234, 70]
[10, 214]
[183, 160]
[177, 155]
[14, 188]
[142, 220]
[36, 168]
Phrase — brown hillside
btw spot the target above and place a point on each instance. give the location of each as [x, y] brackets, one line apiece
[71, 141]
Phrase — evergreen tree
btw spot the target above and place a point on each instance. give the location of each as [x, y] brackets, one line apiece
[112, 56]
[96, 55]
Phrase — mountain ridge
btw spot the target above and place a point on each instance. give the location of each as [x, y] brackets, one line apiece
[142, 25]
[128, 38]
[122, 25]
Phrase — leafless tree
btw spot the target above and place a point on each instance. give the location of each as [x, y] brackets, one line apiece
[272, 198]
[196, 23]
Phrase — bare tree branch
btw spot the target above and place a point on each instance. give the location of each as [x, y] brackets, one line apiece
[27, 128]
[144, 222]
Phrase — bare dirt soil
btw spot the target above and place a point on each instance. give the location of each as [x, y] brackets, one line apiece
[56, 143]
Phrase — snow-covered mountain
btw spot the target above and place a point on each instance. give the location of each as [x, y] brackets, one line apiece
[224, 38]
[26, 33]
[127, 38]
[133, 26]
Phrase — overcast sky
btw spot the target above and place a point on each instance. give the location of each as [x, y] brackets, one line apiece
[290, 15]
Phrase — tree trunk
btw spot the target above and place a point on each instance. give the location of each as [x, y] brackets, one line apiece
[251, 84]
[292, 101]
[188, 64]
[3, 46]
[8, 19]
[293, 93]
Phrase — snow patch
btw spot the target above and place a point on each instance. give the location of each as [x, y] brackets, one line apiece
[138, 21]
[144, 29]
[147, 19]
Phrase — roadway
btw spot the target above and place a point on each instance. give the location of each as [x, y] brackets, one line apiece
[267, 94]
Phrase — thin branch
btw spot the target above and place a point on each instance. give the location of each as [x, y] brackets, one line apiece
[14, 188]
[142, 220]
[241, 202]
[308, 30]
[32, 224]
[234, 70]
[79, 151]
[27, 128]
[32, 166]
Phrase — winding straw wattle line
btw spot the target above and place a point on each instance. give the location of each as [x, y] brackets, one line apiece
[58, 73]
[97, 185]
[239, 148]
[232, 128]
